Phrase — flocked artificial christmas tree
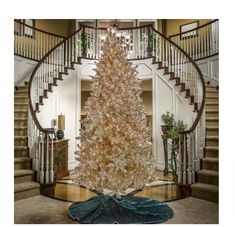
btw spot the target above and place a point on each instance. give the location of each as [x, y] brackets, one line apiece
[115, 150]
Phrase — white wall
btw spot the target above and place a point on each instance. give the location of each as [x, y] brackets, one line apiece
[168, 98]
[210, 69]
[66, 99]
[23, 69]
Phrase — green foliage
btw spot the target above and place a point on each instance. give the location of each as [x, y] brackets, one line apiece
[85, 42]
[168, 119]
[178, 128]
[153, 43]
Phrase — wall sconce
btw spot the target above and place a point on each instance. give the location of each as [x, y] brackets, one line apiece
[61, 126]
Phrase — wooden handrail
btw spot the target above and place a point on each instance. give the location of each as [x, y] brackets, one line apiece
[45, 171]
[37, 29]
[128, 28]
[199, 114]
[194, 29]
[40, 128]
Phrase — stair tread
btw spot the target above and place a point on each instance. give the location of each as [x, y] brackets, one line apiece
[21, 103]
[206, 187]
[20, 127]
[21, 91]
[20, 137]
[21, 96]
[212, 91]
[212, 137]
[212, 127]
[207, 85]
[212, 111]
[212, 103]
[21, 118]
[211, 173]
[23, 172]
[210, 159]
[212, 97]
[21, 159]
[21, 87]
[21, 111]
[212, 118]
[26, 186]
[20, 147]
[211, 148]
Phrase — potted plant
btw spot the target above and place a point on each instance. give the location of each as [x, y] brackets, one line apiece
[174, 133]
[153, 44]
[176, 129]
[168, 122]
[85, 44]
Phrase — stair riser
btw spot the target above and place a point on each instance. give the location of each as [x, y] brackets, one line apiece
[214, 143]
[21, 142]
[211, 103]
[206, 195]
[212, 114]
[21, 123]
[21, 100]
[20, 107]
[212, 99]
[22, 88]
[211, 153]
[212, 107]
[21, 93]
[211, 92]
[208, 89]
[20, 132]
[20, 153]
[22, 165]
[23, 179]
[20, 114]
[212, 132]
[208, 94]
[207, 179]
[212, 123]
[210, 165]
[27, 194]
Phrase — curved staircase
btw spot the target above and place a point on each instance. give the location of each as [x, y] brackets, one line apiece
[168, 57]
[208, 177]
[24, 184]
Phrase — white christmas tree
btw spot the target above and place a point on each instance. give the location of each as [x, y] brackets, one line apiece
[115, 149]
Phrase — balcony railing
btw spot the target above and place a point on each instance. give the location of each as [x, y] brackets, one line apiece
[201, 42]
[33, 43]
[139, 43]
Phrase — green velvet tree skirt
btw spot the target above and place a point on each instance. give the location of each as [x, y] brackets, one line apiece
[103, 209]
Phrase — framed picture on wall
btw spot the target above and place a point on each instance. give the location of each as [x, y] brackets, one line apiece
[188, 27]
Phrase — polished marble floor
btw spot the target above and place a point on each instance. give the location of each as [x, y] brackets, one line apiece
[54, 210]
[163, 189]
